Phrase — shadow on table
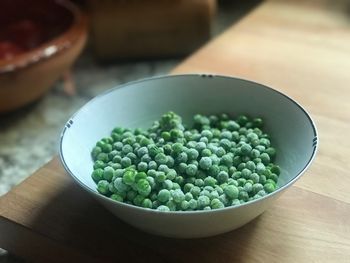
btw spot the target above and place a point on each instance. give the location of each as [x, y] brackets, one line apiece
[74, 219]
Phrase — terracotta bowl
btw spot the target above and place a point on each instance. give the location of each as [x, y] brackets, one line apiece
[39, 40]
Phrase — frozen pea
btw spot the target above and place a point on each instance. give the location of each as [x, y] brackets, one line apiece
[276, 169]
[179, 179]
[257, 187]
[129, 177]
[199, 182]
[248, 187]
[164, 195]
[142, 167]
[192, 154]
[160, 177]
[163, 168]
[184, 205]
[191, 170]
[188, 187]
[117, 197]
[251, 166]
[241, 181]
[273, 177]
[146, 203]
[142, 151]
[176, 186]
[125, 162]
[171, 174]
[97, 175]
[102, 157]
[120, 185]
[178, 196]
[146, 158]
[140, 175]
[235, 202]
[205, 163]
[163, 208]
[254, 177]
[216, 204]
[260, 148]
[211, 181]
[269, 187]
[151, 181]
[170, 161]
[260, 168]
[182, 158]
[177, 148]
[224, 199]
[243, 195]
[236, 175]
[200, 146]
[195, 191]
[171, 204]
[222, 177]
[246, 173]
[231, 191]
[143, 187]
[223, 168]
[203, 201]
[215, 159]
[192, 204]
[231, 181]
[167, 184]
[103, 187]
[214, 194]
[271, 152]
[265, 142]
[160, 158]
[220, 152]
[246, 149]
[265, 158]
[152, 173]
[188, 196]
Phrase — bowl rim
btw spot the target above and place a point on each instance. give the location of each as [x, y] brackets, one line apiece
[142, 209]
[54, 46]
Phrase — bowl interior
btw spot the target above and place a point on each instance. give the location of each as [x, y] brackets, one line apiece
[139, 103]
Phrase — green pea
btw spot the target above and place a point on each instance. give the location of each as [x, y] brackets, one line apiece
[222, 177]
[210, 181]
[103, 157]
[108, 173]
[117, 197]
[269, 187]
[97, 175]
[103, 187]
[191, 170]
[231, 191]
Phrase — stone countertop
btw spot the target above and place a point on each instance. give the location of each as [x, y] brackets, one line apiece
[29, 137]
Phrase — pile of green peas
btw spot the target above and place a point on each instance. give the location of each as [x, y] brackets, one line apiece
[218, 162]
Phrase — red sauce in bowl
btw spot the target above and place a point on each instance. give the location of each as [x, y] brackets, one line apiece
[25, 25]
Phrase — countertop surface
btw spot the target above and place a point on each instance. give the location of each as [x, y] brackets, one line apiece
[297, 47]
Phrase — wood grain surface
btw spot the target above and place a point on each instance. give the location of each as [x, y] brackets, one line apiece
[301, 49]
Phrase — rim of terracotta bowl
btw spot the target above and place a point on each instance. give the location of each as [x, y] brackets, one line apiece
[154, 211]
[52, 47]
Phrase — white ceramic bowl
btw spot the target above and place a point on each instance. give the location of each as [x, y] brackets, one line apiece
[139, 103]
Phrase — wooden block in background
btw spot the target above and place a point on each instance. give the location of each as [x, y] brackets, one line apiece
[149, 28]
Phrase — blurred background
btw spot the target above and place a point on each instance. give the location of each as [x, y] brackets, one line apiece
[57, 55]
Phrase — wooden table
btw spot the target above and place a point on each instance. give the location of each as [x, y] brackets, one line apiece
[300, 49]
